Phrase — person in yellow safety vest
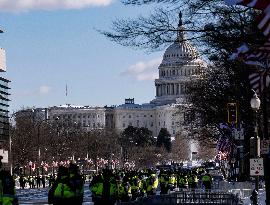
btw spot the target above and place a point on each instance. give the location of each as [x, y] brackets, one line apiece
[60, 192]
[163, 181]
[109, 187]
[142, 185]
[207, 181]
[193, 181]
[76, 183]
[7, 187]
[96, 188]
[172, 181]
[123, 190]
[151, 184]
[135, 187]
[182, 181]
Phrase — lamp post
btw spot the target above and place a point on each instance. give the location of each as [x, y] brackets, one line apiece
[255, 105]
[30, 168]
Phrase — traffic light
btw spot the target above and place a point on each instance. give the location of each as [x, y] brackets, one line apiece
[232, 113]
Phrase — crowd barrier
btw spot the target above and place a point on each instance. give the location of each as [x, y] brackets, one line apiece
[188, 197]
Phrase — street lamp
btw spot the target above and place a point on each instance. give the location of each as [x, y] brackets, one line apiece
[255, 105]
[30, 168]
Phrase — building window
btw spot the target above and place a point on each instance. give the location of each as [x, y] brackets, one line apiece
[159, 123]
[130, 124]
[152, 124]
[173, 131]
[151, 115]
[129, 116]
[164, 124]
[172, 122]
[124, 125]
[144, 115]
[124, 116]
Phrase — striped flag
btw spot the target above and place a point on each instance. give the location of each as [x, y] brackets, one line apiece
[256, 4]
[263, 19]
[259, 79]
[224, 144]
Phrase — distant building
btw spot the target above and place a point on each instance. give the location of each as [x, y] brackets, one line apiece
[4, 109]
[180, 64]
[4, 105]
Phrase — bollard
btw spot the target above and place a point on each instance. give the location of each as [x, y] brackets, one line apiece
[254, 197]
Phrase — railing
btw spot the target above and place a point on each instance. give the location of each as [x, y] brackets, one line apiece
[188, 197]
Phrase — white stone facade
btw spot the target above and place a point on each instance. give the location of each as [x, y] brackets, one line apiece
[180, 63]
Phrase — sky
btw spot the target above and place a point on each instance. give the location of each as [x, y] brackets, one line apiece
[54, 44]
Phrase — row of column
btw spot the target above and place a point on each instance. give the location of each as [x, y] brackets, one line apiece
[170, 89]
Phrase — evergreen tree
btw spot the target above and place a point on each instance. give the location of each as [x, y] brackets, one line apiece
[164, 139]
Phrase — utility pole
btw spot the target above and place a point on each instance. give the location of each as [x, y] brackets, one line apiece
[266, 156]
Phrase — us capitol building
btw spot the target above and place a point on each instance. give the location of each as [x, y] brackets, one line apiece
[180, 64]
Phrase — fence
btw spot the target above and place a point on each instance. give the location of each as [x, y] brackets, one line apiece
[188, 197]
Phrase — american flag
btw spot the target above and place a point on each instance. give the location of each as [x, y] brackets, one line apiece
[263, 5]
[256, 4]
[224, 144]
[259, 79]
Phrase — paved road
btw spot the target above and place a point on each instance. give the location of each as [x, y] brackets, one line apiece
[40, 196]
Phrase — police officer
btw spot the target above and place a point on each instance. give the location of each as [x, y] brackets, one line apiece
[7, 187]
[96, 187]
[135, 186]
[151, 183]
[207, 180]
[62, 191]
[163, 181]
[76, 182]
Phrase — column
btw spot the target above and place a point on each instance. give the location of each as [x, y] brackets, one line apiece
[164, 89]
[177, 89]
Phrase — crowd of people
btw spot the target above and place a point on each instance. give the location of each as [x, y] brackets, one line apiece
[111, 186]
[107, 186]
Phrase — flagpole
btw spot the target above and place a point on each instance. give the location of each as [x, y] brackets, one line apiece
[66, 94]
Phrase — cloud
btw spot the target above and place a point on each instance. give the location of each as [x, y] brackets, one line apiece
[44, 89]
[144, 71]
[27, 5]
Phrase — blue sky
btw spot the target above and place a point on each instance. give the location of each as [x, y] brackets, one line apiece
[51, 43]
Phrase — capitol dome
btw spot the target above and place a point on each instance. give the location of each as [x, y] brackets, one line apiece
[178, 52]
[180, 64]
[181, 50]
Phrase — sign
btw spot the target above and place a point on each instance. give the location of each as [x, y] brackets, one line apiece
[232, 113]
[238, 134]
[265, 146]
[256, 167]
[4, 154]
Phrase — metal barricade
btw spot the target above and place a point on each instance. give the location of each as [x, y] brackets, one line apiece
[188, 197]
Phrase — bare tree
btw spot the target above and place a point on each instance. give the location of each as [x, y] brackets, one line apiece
[180, 148]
